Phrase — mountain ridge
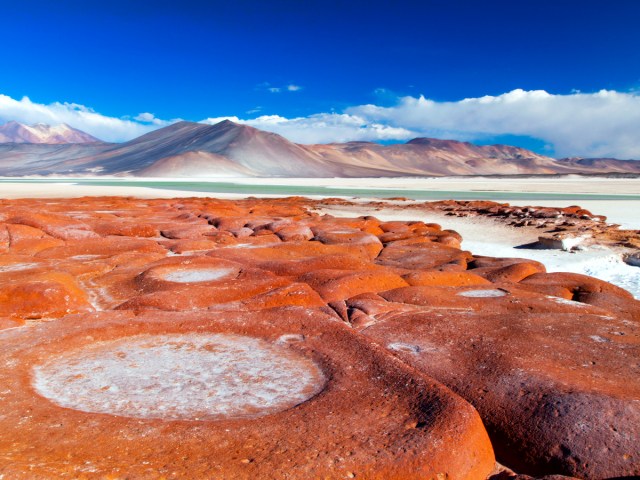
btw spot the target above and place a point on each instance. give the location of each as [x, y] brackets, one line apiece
[224, 149]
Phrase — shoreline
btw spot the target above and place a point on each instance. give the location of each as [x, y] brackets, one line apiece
[619, 208]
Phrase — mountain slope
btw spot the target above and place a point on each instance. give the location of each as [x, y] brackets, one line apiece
[433, 157]
[256, 152]
[612, 165]
[187, 149]
[15, 132]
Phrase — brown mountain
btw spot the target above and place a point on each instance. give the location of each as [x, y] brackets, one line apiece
[427, 156]
[227, 149]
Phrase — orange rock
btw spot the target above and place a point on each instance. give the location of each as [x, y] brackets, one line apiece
[190, 246]
[287, 252]
[294, 233]
[288, 402]
[556, 391]
[588, 290]
[350, 237]
[10, 323]
[444, 279]
[125, 229]
[505, 269]
[197, 283]
[294, 294]
[423, 256]
[28, 240]
[56, 225]
[494, 298]
[395, 226]
[174, 272]
[340, 284]
[188, 231]
[541, 355]
[102, 246]
[304, 265]
[5, 239]
[46, 295]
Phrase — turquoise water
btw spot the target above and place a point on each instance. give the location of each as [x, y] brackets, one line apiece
[289, 190]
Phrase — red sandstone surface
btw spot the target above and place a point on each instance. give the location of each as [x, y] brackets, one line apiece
[203, 338]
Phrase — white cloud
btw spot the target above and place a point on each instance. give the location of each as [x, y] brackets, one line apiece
[323, 128]
[106, 128]
[605, 123]
[147, 117]
[214, 120]
[292, 87]
[601, 124]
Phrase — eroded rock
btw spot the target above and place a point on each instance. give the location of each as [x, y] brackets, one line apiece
[549, 360]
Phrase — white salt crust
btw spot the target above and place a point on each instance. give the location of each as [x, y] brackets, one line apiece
[564, 301]
[17, 267]
[198, 275]
[482, 293]
[179, 377]
[404, 347]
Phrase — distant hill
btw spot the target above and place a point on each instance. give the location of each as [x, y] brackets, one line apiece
[15, 132]
[228, 149]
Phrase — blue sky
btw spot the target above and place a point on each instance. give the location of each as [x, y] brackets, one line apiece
[310, 59]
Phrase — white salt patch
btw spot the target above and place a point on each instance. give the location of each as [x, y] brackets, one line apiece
[252, 245]
[564, 301]
[599, 339]
[179, 376]
[290, 338]
[17, 267]
[482, 293]
[404, 347]
[198, 275]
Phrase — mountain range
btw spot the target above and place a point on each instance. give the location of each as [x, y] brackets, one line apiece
[228, 149]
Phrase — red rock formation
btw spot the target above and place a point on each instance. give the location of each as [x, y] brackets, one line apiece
[549, 360]
[381, 420]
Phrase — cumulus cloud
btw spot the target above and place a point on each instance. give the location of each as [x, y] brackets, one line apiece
[294, 88]
[600, 124]
[106, 128]
[323, 128]
[605, 123]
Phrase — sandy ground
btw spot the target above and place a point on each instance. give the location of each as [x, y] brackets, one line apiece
[481, 236]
